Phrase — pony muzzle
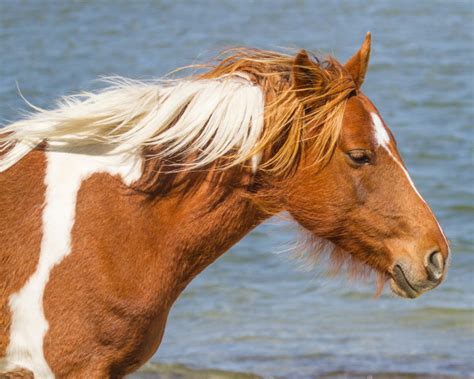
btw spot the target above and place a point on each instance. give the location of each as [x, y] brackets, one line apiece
[409, 282]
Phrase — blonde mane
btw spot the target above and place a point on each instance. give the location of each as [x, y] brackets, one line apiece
[236, 111]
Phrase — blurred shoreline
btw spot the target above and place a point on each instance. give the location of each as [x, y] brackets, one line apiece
[180, 371]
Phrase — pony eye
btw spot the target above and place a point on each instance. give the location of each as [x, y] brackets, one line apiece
[360, 157]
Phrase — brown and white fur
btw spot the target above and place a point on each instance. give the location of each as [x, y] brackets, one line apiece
[113, 202]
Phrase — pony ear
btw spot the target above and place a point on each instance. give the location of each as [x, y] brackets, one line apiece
[306, 75]
[358, 64]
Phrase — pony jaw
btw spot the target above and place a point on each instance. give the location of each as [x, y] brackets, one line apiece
[313, 250]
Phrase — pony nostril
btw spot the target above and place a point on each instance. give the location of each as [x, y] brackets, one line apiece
[436, 259]
[435, 265]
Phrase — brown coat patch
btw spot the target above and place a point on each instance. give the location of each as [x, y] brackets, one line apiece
[107, 302]
[22, 193]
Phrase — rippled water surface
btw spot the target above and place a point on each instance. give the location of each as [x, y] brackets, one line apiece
[254, 310]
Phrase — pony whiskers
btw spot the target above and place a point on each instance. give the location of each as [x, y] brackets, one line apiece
[314, 251]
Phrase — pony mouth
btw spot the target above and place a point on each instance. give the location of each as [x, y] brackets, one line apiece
[401, 286]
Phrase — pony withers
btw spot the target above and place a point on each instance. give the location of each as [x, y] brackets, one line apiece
[113, 202]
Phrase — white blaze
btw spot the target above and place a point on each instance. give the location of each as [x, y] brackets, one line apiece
[383, 139]
[381, 135]
[64, 175]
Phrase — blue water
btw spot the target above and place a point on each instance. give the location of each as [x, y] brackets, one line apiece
[256, 310]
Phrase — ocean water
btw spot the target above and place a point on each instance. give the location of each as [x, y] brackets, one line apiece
[255, 310]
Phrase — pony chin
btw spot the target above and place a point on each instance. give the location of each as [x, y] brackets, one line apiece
[313, 250]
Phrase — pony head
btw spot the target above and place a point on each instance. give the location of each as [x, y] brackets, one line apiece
[361, 198]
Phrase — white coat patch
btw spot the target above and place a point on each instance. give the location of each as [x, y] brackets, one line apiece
[64, 175]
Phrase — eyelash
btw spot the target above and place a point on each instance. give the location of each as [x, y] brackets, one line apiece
[360, 157]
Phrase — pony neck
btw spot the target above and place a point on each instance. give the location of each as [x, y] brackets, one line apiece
[200, 216]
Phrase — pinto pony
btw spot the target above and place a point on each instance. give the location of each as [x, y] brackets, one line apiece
[113, 202]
